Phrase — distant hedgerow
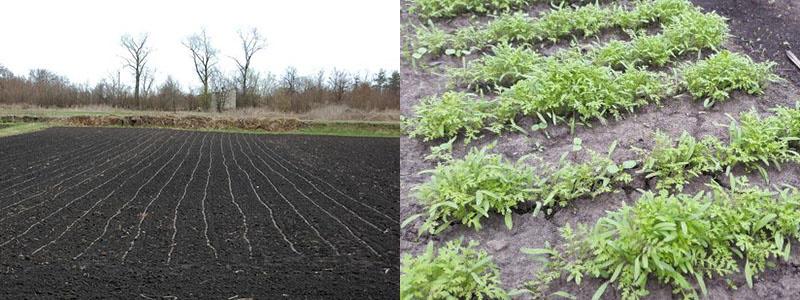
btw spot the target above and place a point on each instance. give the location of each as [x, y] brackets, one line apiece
[454, 271]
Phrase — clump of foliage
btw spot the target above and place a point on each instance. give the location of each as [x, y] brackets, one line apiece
[588, 19]
[446, 116]
[651, 50]
[520, 28]
[462, 41]
[455, 272]
[674, 164]
[505, 67]
[790, 119]
[755, 141]
[469, 189]
[430, 40]
[678, 240]
[646, 12]
[694, 31]
[509, 28]
[452, 8]
[613, 53]
[689, 31]
[578, 89]
[716, 76]
[569, 181]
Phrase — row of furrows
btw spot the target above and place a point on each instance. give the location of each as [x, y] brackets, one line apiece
[378, 161]
[33, 175]
[18, 146]
[184, 197]
[57, 179]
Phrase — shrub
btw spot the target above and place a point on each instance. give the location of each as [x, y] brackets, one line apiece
[455, 272]
[467, 190]
[446, 116]
[716, 76]
[675, 164]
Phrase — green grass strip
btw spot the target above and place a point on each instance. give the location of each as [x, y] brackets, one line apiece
[9, 129]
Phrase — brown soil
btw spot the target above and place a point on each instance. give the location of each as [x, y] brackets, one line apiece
[757, 24]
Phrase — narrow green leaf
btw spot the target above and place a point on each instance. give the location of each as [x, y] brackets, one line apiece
[509, 221]
[600, 291]
[409, 220]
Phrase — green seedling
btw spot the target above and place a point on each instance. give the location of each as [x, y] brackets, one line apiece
[468, 190]
[455, 271]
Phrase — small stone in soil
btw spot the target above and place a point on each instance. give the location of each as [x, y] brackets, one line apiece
[497, 245]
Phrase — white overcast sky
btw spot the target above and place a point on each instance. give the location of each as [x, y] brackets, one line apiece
[81, 39]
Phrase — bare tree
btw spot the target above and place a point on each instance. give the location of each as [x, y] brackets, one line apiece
[170, 91]
[290, 80]
[136, 60]
[205, 59]
[252, 42]
[221, 85]
[147, 83]
[338, 81]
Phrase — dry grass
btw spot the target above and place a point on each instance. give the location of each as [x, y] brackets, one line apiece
[325, 113]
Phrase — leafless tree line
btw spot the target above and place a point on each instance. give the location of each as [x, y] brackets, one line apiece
[290, 91]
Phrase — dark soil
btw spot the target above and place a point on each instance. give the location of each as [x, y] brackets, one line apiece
[756, 25]
[764, 28]
[152, 213]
